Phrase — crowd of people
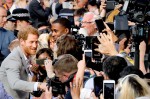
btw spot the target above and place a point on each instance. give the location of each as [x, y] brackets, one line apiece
[46, 51]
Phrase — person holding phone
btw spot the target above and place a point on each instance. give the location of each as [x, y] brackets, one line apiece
[112, 68]
[41, 56]
[43, 69]
[65, 68]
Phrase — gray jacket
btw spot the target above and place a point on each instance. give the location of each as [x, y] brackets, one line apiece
[14, 75]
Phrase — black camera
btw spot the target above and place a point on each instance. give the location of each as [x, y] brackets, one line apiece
[140, 33]
[137, 10]
[57, 86]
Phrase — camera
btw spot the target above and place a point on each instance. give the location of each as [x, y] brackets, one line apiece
[139, 33]
[137, 10]
[57, 86]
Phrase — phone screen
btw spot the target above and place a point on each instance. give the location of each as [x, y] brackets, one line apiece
[100, 25]
[40, 61]
[98, 85]
[88, 53]
[95, 54]
[109, 90]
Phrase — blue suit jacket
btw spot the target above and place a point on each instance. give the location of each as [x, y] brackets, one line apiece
[5, 39]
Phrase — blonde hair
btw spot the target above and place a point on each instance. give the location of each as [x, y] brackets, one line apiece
[24, 32]
[132, 86]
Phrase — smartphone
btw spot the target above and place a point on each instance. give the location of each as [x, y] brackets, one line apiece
[109, 89]
[95, 54]
[98, 85]
[88, 53]
[40, 61]
[89, 63]
[57, 86]
[100, 25]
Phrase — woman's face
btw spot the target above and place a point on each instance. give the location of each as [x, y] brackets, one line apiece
[52, 44]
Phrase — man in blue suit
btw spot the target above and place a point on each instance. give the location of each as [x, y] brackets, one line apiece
[5, 36]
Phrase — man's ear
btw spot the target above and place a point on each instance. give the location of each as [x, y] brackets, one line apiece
[66, 31]
[95, 27]
[21, 42]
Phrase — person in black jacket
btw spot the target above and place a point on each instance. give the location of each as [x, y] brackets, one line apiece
[39, 11]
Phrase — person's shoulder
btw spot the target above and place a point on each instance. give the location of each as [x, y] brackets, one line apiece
[7, 31]
[15, 57]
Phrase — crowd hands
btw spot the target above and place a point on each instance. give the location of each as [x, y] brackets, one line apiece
[105, 46]
[60, 56]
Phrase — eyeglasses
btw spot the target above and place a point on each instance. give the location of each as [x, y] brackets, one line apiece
[79, 19]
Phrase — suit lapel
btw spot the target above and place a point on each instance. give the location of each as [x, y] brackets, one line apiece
[24, 62]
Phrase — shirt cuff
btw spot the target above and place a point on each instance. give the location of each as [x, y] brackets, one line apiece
[35, 87]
